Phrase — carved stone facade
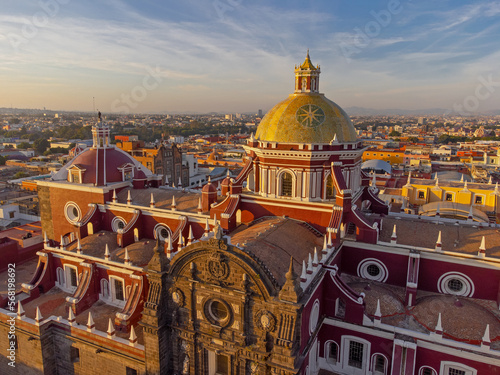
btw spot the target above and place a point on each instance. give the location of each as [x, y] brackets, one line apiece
[224, 314]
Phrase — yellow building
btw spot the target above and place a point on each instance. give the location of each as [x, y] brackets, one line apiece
[390, 156]
[453, 198]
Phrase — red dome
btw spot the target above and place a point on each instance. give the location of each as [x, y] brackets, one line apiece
[209, 188]
[112, 165]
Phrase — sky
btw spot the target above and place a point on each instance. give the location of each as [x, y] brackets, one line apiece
[238, 56]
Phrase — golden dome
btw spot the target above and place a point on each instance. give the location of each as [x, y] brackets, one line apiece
[306, 118]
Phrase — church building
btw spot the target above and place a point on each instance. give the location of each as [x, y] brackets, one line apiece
[295, 266]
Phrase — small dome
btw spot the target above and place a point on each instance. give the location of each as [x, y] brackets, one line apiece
[209, 188]
[378, 166]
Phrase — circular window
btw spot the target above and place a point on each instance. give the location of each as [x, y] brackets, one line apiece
[72, 212]
[217, 312]
[373, 270]
[118, 223]
[456, 283]
[162, 231]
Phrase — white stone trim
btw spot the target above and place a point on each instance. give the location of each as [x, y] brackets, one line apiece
[363, 270]
[467, 288]
[314, 316]
[157, 231]
[114, 223]
[446, 365]
[68, 214]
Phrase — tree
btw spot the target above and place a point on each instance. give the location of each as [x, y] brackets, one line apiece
[41, 145]
[394, 133]
[20, 174]
[23, 145]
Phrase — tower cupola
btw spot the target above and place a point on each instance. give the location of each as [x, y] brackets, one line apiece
[100, 134]
[307, 76]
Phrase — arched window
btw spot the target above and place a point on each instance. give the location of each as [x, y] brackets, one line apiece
[427, 371]
[340, 308]
[379, 364]
[104, 288]
[330, 188]
[286, 184]
[332, 352]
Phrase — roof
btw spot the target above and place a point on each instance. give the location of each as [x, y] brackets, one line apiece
[455, 237]
[377, 165]
[274, 240]
[113, 158]
[184, 200]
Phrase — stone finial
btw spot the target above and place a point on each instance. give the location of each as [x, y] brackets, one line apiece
[38, 316]
[482, 248]
[20, 310]
[394, 237]
[330, 244]
[374, 180]
[315, 261]
[496, 191]
[78, 247]
[437, 181]
[309, 265]
[324, 250]
[90, 323]
[132, 340]
[465, 186]
[190, 236]
[490, 181]
[462, 178]
[45, 238]
[126, 258]
[207, 228]
[303, 275]
[251, 137]
[114, 199]
[166, 180]
[129, 198]
[378, 312]
[200, 208]
[71, 316]
[159, 261]
[111, 329]
[106, 252]
[486, 341]
[215, 220]
[291, 290]
[170, 248]
[174, 205]
[180, 243]
[179, 184]
[470, 216]
[439, 326]
[152, 202]
[438, 243]
[437, 212]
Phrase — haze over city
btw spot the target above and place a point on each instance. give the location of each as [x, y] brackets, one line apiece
[238, 56]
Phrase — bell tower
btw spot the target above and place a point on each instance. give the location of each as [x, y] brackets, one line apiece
[307, 77]
[100, 134]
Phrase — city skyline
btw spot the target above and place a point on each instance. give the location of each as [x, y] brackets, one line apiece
[229, 55]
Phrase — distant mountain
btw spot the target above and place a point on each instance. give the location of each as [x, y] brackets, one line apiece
[361, 111]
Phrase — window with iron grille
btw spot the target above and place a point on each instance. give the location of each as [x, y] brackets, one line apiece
[379, 364]
[355, 354]
[286, 184]
[454, 371]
